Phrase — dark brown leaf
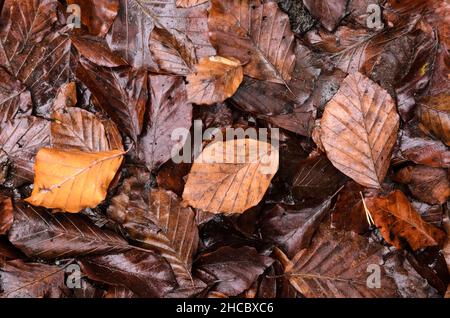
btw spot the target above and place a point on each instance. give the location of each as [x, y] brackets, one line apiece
[329, 12]
[170, 112]
[430, 185]
[15, 99]
[39, 233]
[96, 51]
[31, 280]
[145, 273]
[232, 270]
[6, 214]
[121, 93]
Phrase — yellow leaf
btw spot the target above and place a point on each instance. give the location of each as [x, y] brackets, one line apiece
[72, 180]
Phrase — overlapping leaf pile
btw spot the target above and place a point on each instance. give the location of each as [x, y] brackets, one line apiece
[349, 199]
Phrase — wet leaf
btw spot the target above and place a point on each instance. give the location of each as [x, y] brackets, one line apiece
[336, 266]
[145, 273]
[329, 13]
[157, 220]
[255, 33]
[430, 185]
[232, 270]
[15, 99]
[400, 224]
[231, 176]
[31, 280]
[96, 51]
[189, 3]
[359, 129]
[6, 214]
[170, 117]
[122, 94]
[40, 234]
[215, 79]
[72, 180]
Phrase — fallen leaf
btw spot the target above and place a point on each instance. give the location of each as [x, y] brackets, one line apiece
[430, 185]
[20, 140]
[336, 266]
[189, 3]
[170, 112]
[215, 79]
[6, 214]
[173, 52]
[329, 13]
[66, 97]
[122, 94]
[232, 270]
[145, 273]
[97, 51]
[257, 34]
[15, 99]
[40, 234]
[359, 129]
[231, 176]
[171, 176]
[98, 15]
[77, 129]
[434, 113]
[72, 180]
[400, 224]
[31, 280]
[157, 220]
[292, 229]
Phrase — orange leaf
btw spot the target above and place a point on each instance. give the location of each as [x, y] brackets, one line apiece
[216, 79]
[72, 180]
[399, 222]
[231, 176]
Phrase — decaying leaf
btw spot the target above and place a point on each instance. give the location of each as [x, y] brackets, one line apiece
[39, 233]
[231, 176]
[328, 12]
[71, 180]
[336, 265]
[359, 129]
[231, 270]
[6, 214]
[400, 224]
[15, 99]
[31, 280]
[215, 79]
[170, 112]
[189, 3]
[257, 34]
[157, 220]
[143, 272]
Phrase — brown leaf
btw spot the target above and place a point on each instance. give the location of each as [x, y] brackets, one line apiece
[77, 129]
[6, 214]
[97, 51]
[336, 266]
[98, 16]
[156, 219]
[215, 79]
[20, 140]
[146, 274]
[173, 52]
[231, 176]
[189, 3]
[31, 52]
[400, 224]
[329, 12]
[434, 114]
[430, 185]
[359, 129]
[40, 234]
[425, 151]
[348, 213]
[15, 99]
[65, 97]
[31, 280]
[169, 112]
[138, 17]
[122, 94]
[292, 229]
[232, 270]
[171, 176]
[72, 180]
[255, 33]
